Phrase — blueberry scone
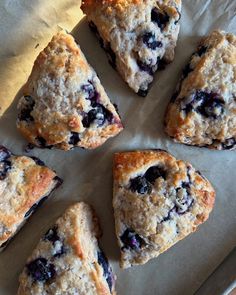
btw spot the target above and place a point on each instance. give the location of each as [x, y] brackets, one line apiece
[202, 112]
[158, 200]
[25, 182]
[64, 104]
[137, 35]
[68, 260]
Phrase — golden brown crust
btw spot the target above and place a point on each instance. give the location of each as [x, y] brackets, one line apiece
[156, 210]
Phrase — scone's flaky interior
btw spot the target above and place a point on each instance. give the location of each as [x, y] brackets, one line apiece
[64, 104]
[202, 112]
[137, 35]
[157, 201]
[24, 183]
[68, 260]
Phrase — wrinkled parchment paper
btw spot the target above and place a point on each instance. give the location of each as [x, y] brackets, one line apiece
[25, 28]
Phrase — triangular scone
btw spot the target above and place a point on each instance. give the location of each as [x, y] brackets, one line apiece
[25, 183]
[157, 201]
[68, 260]
[64, 104]
[202, 112]
[138, 36]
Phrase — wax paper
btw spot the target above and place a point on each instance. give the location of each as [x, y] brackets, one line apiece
[26, 26]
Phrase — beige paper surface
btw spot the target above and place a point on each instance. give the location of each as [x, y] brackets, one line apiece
[25, 28]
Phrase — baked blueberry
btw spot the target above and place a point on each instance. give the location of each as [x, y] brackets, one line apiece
[229, 144]
[150, 41]
[132, 240]
[201, 50]
[98, 115]
[74, 138]
[107, 271]
[145, 67]
[52, 235]
[160, 18]
[142, 92]
[140, 185]
[5, 166]
[153, 173]
[4, 153]
[25, 114]
[41, 270]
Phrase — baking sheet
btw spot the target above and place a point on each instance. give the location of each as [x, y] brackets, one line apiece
[25, 28]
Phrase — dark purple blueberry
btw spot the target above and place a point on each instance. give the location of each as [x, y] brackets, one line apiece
[208, 104]
[107, 271]
[61, 251]
[149, 39]
[142, 92]
[52, 235]
[35, 206]
[229, 144]
[132, 240]
[98, 115]
[38, 161]
[187, 70]
[184, 205]
[214, 108]
[91, 92]
[153, 173]
[42, 142]
[145, 67]
[4, 153]
[140, 185]
[201, 50]
[41, 270]
[25, 114]
[160, 18]
[74, 138]
[5, 166]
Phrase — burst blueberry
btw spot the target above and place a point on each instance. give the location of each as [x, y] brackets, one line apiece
[153, 173]
[107, 271]
[4, 153]
[150, 41]
[41, 270]
[140, 185]
[74, 138]
[25, 114]
[132, 240]
[160, 18]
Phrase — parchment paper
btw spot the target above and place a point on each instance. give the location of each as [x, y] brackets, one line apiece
[25, 28]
